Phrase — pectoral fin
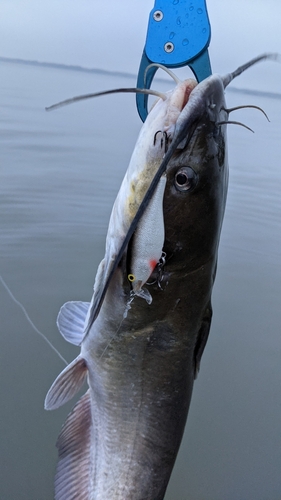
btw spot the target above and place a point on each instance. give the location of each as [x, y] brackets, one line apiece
[71, 321]
[67, 384]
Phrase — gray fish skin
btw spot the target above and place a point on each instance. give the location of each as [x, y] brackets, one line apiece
[122, 438]
[145, 376]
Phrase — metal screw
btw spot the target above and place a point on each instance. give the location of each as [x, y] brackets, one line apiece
[169, 47]
[158, 15]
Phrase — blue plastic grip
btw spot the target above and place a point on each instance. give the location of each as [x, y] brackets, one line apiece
[178, 31]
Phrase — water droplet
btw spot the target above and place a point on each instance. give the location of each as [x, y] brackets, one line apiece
[175, 2]
[185, 41]
[204, 30]
[199, 11]
[191, 8]
[171, 36]
[178, 21]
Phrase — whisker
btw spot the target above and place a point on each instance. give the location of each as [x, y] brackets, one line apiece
[167, 70]
[235, 123]
[230, 76]
[106, 92]
[229, 110]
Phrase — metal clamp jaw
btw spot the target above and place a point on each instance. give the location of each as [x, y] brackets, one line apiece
[178, 34]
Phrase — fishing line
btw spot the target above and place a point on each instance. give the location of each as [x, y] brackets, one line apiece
[30, 320]
[127, 308]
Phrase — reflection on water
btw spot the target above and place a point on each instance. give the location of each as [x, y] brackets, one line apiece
[60, 173]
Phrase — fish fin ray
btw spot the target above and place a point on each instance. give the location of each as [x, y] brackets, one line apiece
[71, 321]
[73, 474]
[67, 384]
[202, 338]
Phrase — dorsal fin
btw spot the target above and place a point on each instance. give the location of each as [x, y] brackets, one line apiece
[72, 481]
[71, 321]
[67, 384]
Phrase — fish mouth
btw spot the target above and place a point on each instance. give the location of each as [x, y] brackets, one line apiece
[176, 103]
[186, 87]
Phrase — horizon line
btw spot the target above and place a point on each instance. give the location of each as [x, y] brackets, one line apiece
[83, 69]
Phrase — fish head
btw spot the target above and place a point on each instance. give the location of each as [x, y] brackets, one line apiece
[146, 244]
[197, 178]
[180, 133]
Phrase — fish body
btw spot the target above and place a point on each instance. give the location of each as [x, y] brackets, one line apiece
[140, 356]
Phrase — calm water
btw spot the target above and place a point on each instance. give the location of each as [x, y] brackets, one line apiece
[60, 173]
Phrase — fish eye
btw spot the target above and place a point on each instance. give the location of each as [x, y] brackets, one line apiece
[185, 179]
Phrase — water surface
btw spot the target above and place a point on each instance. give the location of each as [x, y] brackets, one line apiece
[59, 175]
